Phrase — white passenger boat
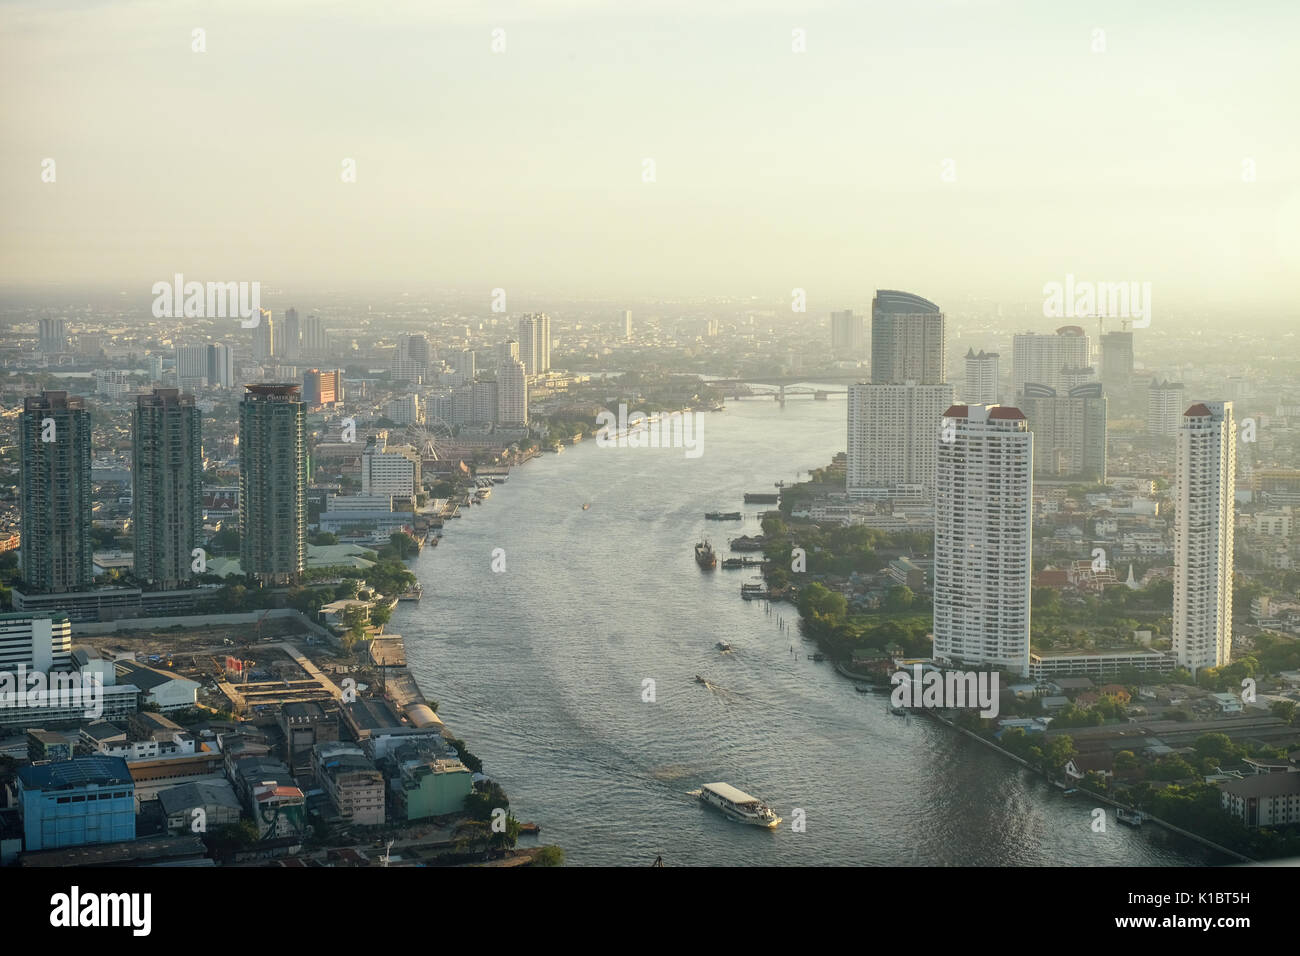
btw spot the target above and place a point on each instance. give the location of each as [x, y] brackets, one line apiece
[739, 805]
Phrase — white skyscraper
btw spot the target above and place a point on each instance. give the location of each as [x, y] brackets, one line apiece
[535, 342]
[627, 324]
[264, 339]
[512, 393]
[981, 378]
[192, 366]
[891, 440]
[1043, 359]
[1165, 405]
[389, 469]
[983, 518]
[1207, 460]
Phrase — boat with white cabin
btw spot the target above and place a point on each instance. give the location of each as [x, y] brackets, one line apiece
[739, 805]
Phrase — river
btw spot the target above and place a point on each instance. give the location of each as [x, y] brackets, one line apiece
[540, 668]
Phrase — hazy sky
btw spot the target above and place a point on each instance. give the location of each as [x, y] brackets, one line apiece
[774, 169]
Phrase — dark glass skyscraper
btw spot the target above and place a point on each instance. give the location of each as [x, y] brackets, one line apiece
[167, 475]
[54, 442]
[273, 483]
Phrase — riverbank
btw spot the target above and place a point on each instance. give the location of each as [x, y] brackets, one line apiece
[1147, 817]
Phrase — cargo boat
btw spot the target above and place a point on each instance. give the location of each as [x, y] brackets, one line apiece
[724, 516]
[705, 556]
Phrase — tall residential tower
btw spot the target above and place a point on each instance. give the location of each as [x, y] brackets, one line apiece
[273, 483]
[1203, 525]
[167, 478]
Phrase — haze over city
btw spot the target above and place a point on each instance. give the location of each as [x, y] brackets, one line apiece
[972, 149]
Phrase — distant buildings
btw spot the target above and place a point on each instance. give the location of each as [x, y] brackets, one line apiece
[315, 340]
[848, 334]
[1043, 358]
[512, 393]
[627, 325]
[322, 389]
[907, 339]
[264, 339]
[192, 366]
[289, 344]
[981, 386]
[1116, 359]
[167, 470]
[1069, 431]
[535, 342]
[1203, 536]
[893, 421]
[983, 537]
[221, 366]
[273, 483]
[405, 410]
[53, 336]
[1165, 405]
[54, 483]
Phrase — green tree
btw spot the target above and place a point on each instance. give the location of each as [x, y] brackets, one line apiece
[548, 856]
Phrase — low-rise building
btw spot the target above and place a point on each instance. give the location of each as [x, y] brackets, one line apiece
[1264, 799]
[214, 798]
[354, 787]
[75, 802]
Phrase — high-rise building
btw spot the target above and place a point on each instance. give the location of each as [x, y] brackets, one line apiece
[512, 393]
[1165, 405]
[155, 367]
[315, 340]
[404, 410]
[981, 386]
[465, 367]
[264, 339]
[289, 342]
[627, 325]
[322, 389]
[167, 479]
[848, 334]
[1069, 431]
[221, 366]
[417, 350]
[507, 351]
[462, 405]
[891, 439]
[1203, 533]
[907, 339]
[535, 342]
[1116, 359]
[53, 336]
[1042, 358]
[54, 480]
[389, 469]
[273, 483]
[192, 366]
[484, 408]
[983, 537]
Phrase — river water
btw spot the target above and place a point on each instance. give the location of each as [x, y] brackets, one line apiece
[540, 668]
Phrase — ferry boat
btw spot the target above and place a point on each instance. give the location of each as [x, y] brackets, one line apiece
[705, 556]
[739, 805]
